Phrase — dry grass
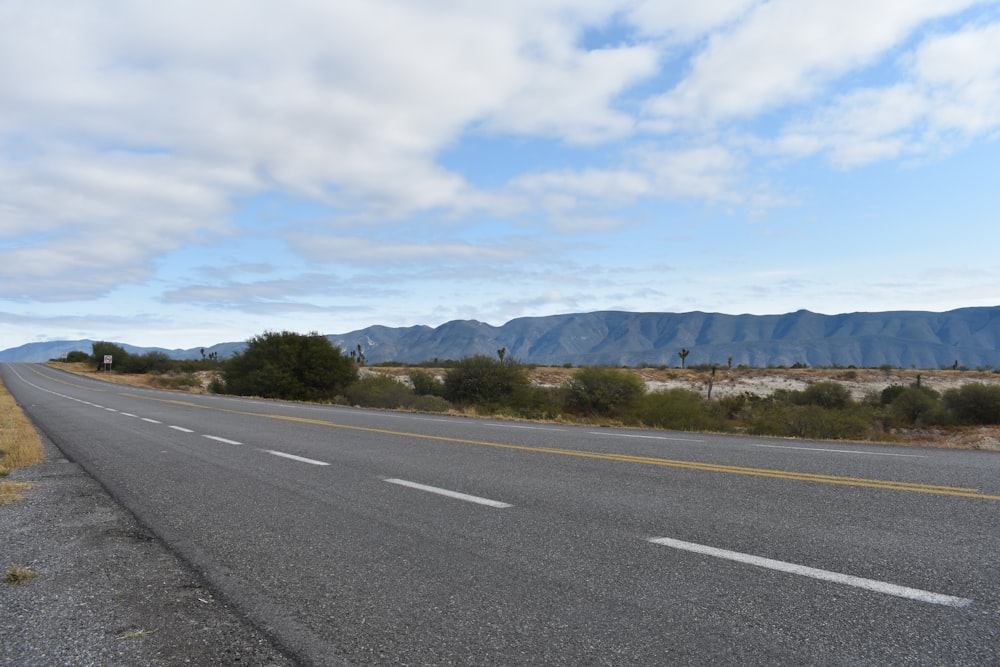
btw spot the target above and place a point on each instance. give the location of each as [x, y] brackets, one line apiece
[11, 492]
[17, 575]
[20, 446]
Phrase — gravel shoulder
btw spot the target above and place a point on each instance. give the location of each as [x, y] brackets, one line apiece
[108, 592]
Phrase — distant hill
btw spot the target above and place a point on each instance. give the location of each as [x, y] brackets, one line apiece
[36, 352]
[970, 336]
[903, 339]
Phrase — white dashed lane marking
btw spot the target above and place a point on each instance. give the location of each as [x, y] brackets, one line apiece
[814, 573]
[450, 494]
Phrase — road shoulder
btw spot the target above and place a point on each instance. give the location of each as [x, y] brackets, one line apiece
[108, 592]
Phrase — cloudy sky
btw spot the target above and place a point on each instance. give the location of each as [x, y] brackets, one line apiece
[183, 173]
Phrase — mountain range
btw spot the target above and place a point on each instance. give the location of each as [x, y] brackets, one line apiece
[968, 337]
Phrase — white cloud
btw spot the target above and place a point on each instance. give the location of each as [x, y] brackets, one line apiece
[962, 71]
[359, 250]
[685, 20]
[787, 51]
[952, 86]
[709, 173]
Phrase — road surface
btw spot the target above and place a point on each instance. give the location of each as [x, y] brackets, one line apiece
[369, 537]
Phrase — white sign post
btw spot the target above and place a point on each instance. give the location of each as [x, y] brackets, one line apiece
[107, 362]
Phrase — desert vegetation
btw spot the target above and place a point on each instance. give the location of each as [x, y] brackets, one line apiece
[20, 446]
[818, 404]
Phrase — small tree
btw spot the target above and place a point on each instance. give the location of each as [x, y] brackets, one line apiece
[485, 381]
[102, 348]
[290, 366]
[600, 391]
[683, 354]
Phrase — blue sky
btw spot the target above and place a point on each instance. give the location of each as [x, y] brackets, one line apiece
[177, 175]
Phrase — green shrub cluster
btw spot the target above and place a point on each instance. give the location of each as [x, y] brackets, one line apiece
[177, 373]
[384, 391]
[287, 365]
[306, 367]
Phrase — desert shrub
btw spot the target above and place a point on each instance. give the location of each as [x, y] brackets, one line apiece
[974, 403]
[890, 393]
[429, 403]
[811, 421]
[735, 406]
[425, 384]
[77, 356]
[487, 382]
[678, 409]
[602, 391]
[912, 406]
[825, 395]
[150, 362]
[288, 365]
[379, 391]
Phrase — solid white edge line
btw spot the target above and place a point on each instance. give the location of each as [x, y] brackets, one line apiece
[825, 575]
[450, 494]
[182, 429]
[225, 440]
[293, 457]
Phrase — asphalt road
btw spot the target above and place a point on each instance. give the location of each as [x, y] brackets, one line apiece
[367, 537]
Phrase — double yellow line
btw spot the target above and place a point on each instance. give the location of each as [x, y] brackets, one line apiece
[912, 487]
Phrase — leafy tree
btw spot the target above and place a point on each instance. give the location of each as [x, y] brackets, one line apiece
[486, 381]
[290, 366]
[602, 391]
[101, 348]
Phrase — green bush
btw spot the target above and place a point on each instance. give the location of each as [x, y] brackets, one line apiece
[679, 409]
[430, 404]
[825, 395]
[811, 421]
[601, 391]
[913, 406]
[487, 382]
[379, 391]
[288, 365]
[101, 348]
[890, 393]
[425, 384]
[151, 362]
[974, 403]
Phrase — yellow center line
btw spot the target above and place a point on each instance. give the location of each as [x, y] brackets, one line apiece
[55, 379]
[913, 487]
